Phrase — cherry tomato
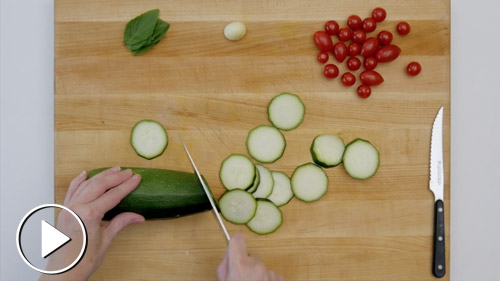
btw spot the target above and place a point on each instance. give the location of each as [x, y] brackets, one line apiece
[348, 79]
[358, 36]
[354, 49]
[354, 22]
[323, 57]
[379, 14]
[370, 63]
[369, 25]
[387, 53]
[413, 68]
[332, 27]
[353, 63]
[323, 41]
[403, 28]
[384, 37]
[340, 51]
[364, 91]
[331, 71]
[344, 34]
[371, 78]
[369, 47]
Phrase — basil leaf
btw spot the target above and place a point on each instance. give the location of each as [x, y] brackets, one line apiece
[140, 28]
[158, 34]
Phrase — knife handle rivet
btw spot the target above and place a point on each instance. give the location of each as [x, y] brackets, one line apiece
[440, 238]
[440, 267]
[440, 209]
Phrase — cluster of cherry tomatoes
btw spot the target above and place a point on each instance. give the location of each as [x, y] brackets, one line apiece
[373, 50]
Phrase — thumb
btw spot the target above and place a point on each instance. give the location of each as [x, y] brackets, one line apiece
[237, 249]
[119, 223]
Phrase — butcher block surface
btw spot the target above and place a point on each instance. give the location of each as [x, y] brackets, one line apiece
[212, 91]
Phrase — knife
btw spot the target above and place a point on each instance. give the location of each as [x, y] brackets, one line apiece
[207, 191]
[436, 185]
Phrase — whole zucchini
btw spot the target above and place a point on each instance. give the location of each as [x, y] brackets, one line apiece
[162, 194]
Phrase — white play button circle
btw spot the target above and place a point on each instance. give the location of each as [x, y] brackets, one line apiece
[52, 239]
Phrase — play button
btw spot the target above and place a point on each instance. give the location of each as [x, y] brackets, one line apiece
[52, 239]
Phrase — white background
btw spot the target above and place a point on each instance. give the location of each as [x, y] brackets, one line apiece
[27, 142]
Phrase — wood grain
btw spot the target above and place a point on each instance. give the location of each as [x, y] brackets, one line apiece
[212, 92]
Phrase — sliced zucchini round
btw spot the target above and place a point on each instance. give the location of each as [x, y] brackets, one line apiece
[237, 206]
[256, 182]
[361, 159]
[149, 139]
[237, 171]
[265, 144]
[266, 184]
[286, 111]
[309, 182]
[282, 190]
[327, 150]
[267, 219]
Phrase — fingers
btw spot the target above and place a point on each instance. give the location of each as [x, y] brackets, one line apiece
[98, 186]
[223, 268]
[111, 198]
[119, 223]
[73, 186]
[237, 249]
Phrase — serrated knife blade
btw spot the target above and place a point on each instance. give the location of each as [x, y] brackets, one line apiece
[436, 185]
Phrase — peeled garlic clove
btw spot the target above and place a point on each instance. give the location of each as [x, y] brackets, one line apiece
[235, 31]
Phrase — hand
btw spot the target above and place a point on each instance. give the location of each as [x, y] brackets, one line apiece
[90, 200]
[238, 265]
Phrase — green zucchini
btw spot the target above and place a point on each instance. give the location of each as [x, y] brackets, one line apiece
[162, 194]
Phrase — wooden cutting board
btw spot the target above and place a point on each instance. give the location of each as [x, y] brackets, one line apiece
[213, 91]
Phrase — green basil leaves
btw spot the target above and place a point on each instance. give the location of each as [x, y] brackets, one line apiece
[144, 31]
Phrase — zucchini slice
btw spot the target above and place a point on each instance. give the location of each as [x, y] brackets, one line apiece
[266, 184]
[237, 206]
[327, 150]
[267, 219]
[282, 190]
[309, 182]
[265, 144]
[256, 182]
[286, 111]
[149, 139]
[361, 159]
[237, 171]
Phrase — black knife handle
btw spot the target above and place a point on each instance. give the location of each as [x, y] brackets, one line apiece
[439, 262]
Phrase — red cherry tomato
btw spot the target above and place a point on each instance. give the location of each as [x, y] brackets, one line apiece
[369, 25]
[332, 27]
[358, 36]
[364, 91]
[384, 37]
[354, 49]
[340, 51]
[331, 71]
[379, 14]
[403, 28]
[323, 57]
[348, 79]
[371, 78]
[370, 63]
[387, 53]
[369, 47]
[353, 63]
[354, 22]
[413, 68]
[323, 41]
[344, 34]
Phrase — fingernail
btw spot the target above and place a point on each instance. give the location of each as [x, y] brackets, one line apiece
[136, 177]
[138, 220]
[116, 169]
[82, 173]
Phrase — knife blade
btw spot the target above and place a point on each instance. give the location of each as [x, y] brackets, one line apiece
[207, 191]
[436, 185]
